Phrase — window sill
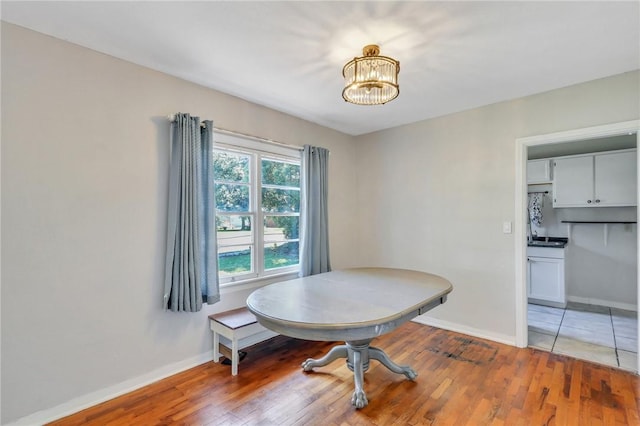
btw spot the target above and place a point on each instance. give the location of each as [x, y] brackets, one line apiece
[253, 283]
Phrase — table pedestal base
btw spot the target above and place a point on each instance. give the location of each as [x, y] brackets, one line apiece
[358, 354]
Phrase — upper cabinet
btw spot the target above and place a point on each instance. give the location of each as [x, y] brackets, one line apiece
[606, 179]
[573, 181]
[616, 179]
[539, 171]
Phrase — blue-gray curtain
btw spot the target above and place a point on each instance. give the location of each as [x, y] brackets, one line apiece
[191, 268]
[314, 213]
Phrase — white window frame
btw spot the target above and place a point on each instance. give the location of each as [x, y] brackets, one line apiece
[257, 152]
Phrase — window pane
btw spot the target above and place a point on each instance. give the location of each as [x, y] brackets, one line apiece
[280, 200]
[281, 228]
[234, 260]
[280, 173]
[228, 227]
[232, 198]
[230, 166]
[279, 255]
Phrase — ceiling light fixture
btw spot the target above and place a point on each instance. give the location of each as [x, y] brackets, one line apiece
[371, 79]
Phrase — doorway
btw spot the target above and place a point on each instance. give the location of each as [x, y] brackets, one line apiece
[523, 146]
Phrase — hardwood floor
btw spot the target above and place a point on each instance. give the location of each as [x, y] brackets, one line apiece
[461, 381]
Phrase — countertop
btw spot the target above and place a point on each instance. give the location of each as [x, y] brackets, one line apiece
[552, 242]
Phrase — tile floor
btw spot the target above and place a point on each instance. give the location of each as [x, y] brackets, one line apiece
[596, 333]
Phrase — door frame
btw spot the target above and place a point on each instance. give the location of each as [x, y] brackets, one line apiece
[522, 146]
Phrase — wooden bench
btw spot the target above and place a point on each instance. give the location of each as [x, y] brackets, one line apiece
[234, 330]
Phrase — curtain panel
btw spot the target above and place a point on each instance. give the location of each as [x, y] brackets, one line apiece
[314, 213]
[191, 268]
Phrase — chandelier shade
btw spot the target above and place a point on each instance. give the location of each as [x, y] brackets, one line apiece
[371, 79]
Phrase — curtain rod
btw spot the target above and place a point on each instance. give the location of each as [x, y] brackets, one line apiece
[172, 118]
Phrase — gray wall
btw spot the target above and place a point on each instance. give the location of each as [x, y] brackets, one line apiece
[433, 195]
[84, 193]
[84, 177]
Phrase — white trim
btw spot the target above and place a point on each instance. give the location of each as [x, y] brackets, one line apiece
[594, 132]
[601, 302]
[471, 331]
[102, 395]
[257, 282]
[522, 144]
[520, 248]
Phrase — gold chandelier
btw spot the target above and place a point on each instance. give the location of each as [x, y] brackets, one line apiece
[371, 79]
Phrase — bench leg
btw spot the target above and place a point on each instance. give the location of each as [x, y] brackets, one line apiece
[234, 357]
[216, 345]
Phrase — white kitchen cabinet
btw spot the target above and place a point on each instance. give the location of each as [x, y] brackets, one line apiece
[545, 276]
[573, 181]
[616, 179]
[539, 171]
[606, 179]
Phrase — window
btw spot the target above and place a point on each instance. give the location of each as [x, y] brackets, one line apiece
[257, 202]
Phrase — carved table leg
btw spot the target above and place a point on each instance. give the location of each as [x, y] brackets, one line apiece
[336, 352]
[358, 354]
[359, 398]
[384, 359]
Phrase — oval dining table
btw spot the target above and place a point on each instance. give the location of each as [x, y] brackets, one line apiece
[351, 305]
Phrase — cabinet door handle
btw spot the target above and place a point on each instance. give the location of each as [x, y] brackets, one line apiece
[597, 201]
[588, 201]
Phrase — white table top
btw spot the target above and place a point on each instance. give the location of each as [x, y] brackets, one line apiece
[348, 304]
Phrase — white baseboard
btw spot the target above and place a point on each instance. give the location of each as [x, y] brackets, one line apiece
[102, 395]
[471, 331]
[600, 302]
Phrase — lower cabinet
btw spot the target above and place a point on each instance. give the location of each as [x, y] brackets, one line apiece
[545, 276]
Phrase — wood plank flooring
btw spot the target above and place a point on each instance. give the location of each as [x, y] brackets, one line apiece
[461, 381]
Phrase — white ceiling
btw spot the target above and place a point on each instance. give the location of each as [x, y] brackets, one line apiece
[289, 56]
